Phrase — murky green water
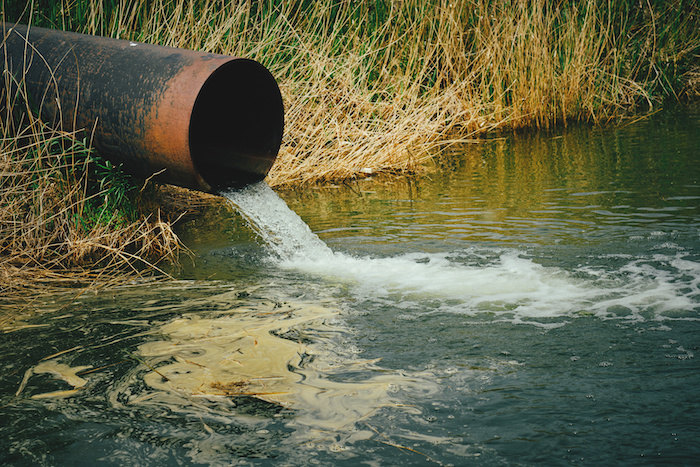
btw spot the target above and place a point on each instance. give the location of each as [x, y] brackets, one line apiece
[535, 300]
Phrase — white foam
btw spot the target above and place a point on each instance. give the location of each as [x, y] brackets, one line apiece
[507, 284]
[281, 229]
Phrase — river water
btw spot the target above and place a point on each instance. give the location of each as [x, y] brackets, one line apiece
[534, 299]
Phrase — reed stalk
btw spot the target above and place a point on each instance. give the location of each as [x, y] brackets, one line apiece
[379, 86]
[68, 218]
[373, 86]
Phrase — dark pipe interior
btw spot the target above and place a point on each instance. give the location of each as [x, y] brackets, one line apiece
[236, 125]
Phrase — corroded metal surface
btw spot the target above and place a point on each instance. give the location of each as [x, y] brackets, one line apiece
[211, 121]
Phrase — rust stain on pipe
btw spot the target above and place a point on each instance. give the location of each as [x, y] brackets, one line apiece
[211, 121]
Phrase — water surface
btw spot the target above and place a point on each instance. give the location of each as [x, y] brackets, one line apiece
[532, 300]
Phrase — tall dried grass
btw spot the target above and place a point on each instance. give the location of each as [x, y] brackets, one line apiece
[380, 86]
[57, 225]
[370, 86]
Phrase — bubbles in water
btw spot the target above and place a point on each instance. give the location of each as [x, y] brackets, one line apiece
[503, 283]
[282, 230]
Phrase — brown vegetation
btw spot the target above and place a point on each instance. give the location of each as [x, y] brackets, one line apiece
[56, 225]
[382, 86]
[368, 87]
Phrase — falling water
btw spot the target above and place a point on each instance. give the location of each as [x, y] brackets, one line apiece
[280, 228]
[503, 281]
[536, 302]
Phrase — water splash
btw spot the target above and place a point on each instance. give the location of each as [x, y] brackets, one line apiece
[281, 229]
[500, 282]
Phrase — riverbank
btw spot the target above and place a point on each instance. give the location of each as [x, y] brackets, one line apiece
[368, 88]
[377, 86]
[68, 219]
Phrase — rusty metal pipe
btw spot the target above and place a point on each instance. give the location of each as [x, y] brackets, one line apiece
[211, 121]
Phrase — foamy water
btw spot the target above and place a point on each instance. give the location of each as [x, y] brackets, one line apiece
[208, 362]
[507, 283]
[403, 343]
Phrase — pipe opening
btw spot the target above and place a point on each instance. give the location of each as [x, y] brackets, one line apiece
[236, 125]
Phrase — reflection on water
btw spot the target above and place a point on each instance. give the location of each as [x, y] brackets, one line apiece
[535, 300]
[473, 281]
[283, 355]
[583, 185]
[210, 361]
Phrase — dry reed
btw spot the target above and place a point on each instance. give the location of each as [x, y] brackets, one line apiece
[368, 87]
[381, 86]
[56, 229]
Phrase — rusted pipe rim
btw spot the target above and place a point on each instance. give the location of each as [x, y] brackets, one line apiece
[236, 124]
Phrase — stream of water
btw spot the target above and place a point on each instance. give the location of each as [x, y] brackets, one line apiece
[533, 300]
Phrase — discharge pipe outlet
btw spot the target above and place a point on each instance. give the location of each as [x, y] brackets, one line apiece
[198, 120]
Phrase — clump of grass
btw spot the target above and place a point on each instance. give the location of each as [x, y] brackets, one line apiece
[67, 217]
[380, 86]
[368, 86]
[691, 81]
